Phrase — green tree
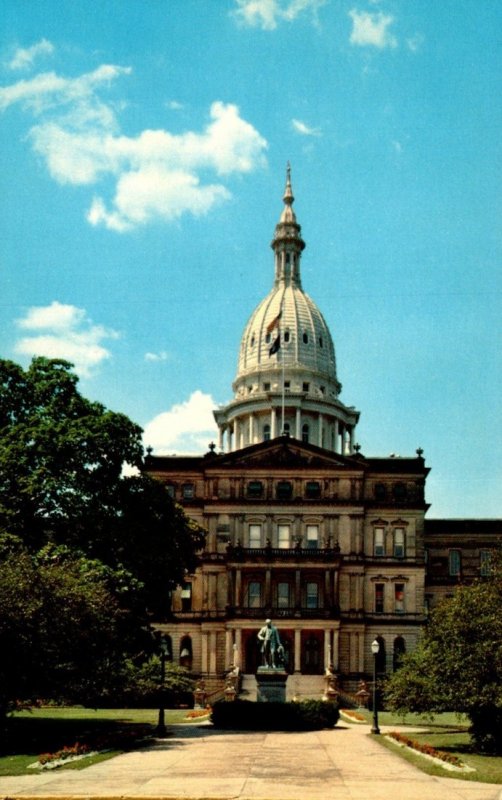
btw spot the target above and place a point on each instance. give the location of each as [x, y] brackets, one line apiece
[63, 631]
[61, 481]
[457, 665]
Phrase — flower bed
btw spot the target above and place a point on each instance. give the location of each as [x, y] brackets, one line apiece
[427, 750]
[353, 716]
[121, 739]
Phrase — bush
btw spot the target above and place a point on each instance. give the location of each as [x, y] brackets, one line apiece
[309, 715]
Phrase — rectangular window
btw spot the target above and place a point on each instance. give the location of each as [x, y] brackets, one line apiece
[255, 489]
[454, 563]
[399, 598]
[186, 597]
[484, 563]
[188, 491]
[255, 535]
[254, 594]
[312, 537]
[283, 536]
[313, 490]
[284, 490]
[398, 542]
[170, 489]
[379, 593]
[379, 545]
[283, 595]
[312, 595]
[306, 387]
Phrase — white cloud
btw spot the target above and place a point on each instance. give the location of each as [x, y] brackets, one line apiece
[174, 105]
[156, 174]
[414, 43]
[305, 130]
[267, 14]
[162, 356]
[187, 427]
[25, 56]
[372, 29]
[64, 331]
[398, 147]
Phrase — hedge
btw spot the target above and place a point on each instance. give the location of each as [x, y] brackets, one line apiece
[308, 715]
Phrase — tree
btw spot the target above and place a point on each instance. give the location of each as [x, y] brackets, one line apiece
[61, 481]
[63, 632]
[457, 665]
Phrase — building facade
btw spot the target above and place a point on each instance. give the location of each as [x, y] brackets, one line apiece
[301, 526]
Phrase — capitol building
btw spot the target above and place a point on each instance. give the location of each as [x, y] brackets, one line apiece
[301, 527]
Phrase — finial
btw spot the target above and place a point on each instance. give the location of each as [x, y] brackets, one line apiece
[288, 192]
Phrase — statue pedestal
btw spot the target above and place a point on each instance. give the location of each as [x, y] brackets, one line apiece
[271, 684]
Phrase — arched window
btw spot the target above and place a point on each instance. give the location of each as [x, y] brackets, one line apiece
[266, 433]
[287, 429]
[305, 338]
[186, 654]
[305, 433]
[399, 651]
[286, 336]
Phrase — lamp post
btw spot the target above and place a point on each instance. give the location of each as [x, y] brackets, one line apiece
[164, 651]
[375, 649]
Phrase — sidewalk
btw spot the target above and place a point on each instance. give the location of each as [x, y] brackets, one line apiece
[199, 762]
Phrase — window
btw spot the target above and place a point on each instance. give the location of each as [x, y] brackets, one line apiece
[284, 490]
[313, 489]
[398, 542]
[286, 430]
[399, 598]
[305, 338]
[305, 433]
[287, 385]
[379, 542]
[312, 595]
[252, 340]
[454, 563]
[188, 491]
[484, 563]
[186, 652]
[320, 341]
[399, 651]
[255, 535]
[312, 537]
[306, 387]
[266, 433]
[400, 492]
[286, 336]
[254, 594]
[266, 387]
[268, 337]
[186, 597]
[283, 595]
[379, 594]
[170, 489]
[380, 491]
[255, 489]
[283, 536]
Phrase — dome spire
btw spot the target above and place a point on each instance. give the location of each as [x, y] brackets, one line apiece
[288, 243]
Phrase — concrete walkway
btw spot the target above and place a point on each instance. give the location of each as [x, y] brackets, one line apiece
[199, 762]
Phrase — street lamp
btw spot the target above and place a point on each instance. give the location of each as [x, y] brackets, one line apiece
[164, 652]
[375, 649]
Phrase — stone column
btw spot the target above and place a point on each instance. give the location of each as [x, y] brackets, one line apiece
[321, 425]
[212, 653]
[361, 653]
[251, 429]
[337, 434]
[229, 648]
[268, 587]
[273, 423]
[238, 587]
[298, 653]
[327, 647]
[298, 424]
[238, 643]
[298, 596]
[204, 652]
[335, 651]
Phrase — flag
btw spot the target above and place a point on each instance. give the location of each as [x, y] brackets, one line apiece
[274, 323]
[275, 345]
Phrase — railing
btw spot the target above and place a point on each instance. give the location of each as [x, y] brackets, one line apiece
[283, 613]
[240, 554]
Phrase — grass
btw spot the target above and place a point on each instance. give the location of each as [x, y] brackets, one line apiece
[447, 732]
[46, 730]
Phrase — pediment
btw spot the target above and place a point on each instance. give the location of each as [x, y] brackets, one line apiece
[285, 452]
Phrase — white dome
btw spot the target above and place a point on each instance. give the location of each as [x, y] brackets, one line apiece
[306, 343]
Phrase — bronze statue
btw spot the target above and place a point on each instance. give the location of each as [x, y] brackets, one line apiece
[271, 647]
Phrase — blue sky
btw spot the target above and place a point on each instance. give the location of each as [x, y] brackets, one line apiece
[142, 170]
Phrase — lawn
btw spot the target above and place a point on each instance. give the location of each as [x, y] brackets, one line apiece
[445, 732]
[46, 730]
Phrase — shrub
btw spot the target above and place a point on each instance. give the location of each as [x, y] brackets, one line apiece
[308, 715]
